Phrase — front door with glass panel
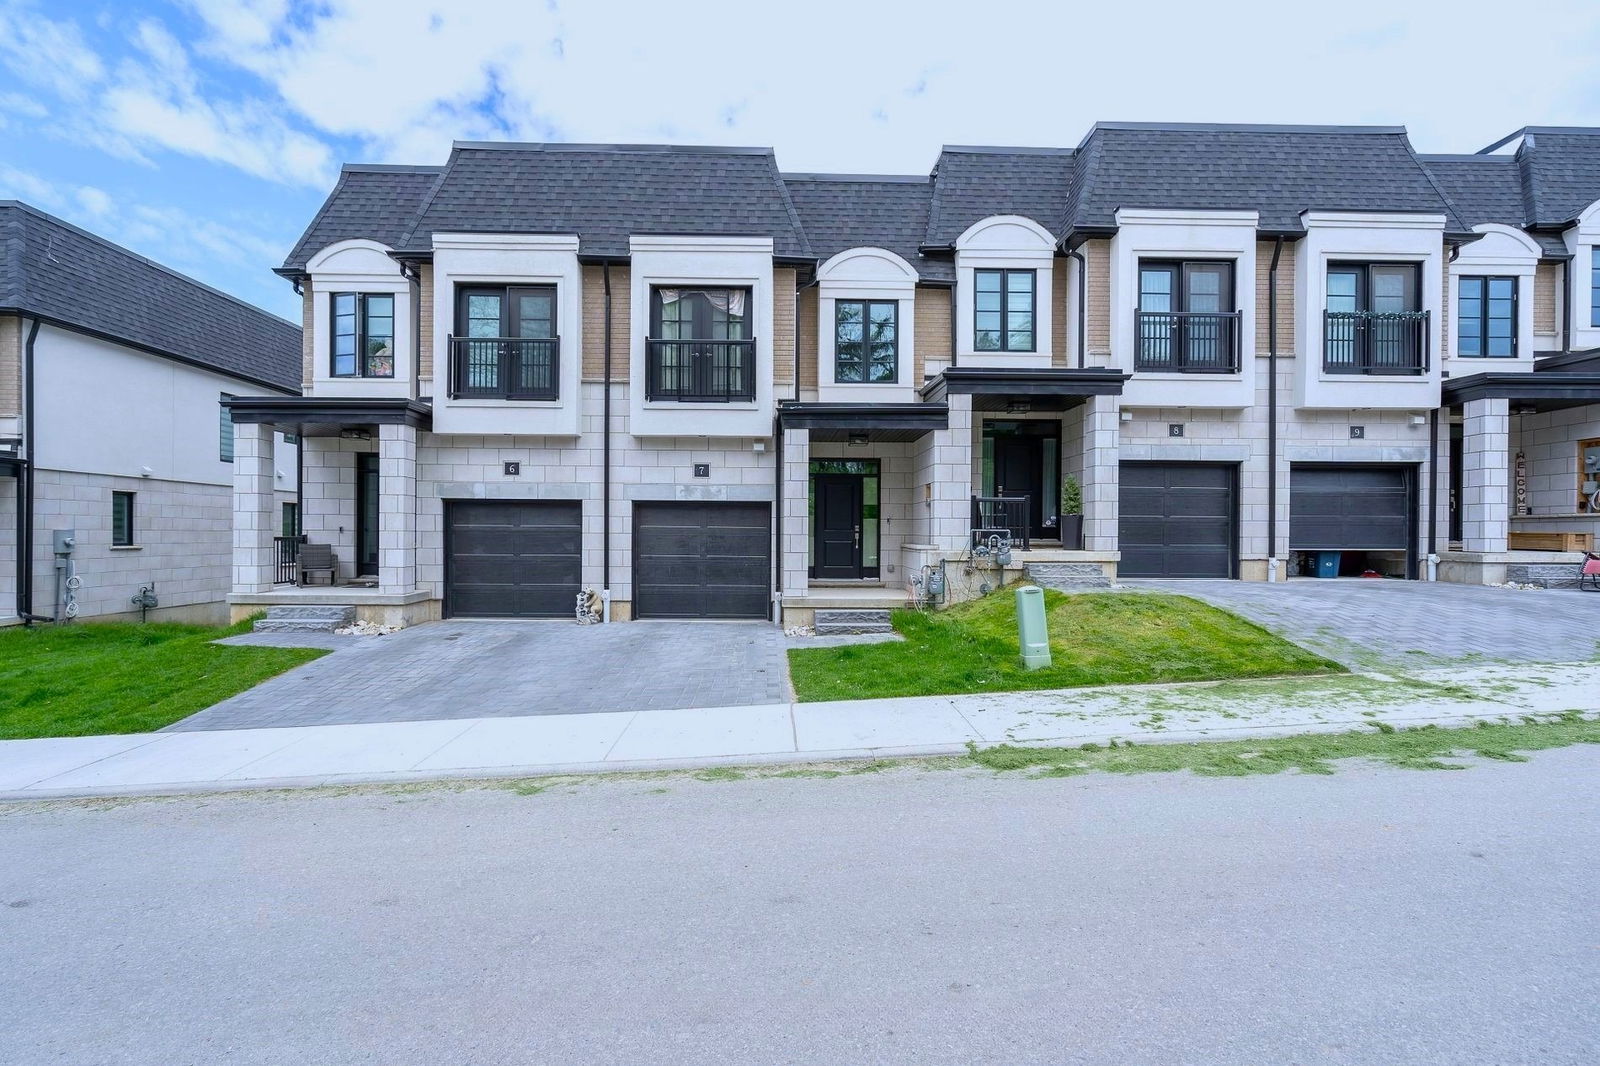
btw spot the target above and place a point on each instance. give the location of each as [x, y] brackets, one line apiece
[1023, 459]
[367, 514]
[844, 519]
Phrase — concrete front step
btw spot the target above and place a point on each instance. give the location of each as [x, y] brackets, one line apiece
[305, 618]
[836, 622]
[1067, 577]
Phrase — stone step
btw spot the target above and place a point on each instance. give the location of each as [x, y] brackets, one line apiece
[831, 623]
[1067, 577]
[305, 618]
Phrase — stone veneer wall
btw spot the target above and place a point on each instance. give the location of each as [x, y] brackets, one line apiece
[1548, 442]
[182, 542]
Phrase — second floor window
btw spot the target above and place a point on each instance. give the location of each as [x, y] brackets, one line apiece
[865, 343]
[1186, 319]
[1594, 286]
[1003, 304]
[1373, 322]
[1488, 317]
[506, 345]
[363, 335]
[701, 346]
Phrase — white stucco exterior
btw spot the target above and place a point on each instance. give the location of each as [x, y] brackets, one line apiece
[1500, 252]
[1008, 242]
[866, 274]
[1582, 238]
[360, 266]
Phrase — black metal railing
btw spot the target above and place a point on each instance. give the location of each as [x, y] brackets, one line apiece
[700, 371]
[286, 559]
[505, 368]
[1374, 342]
[1188, 342]
[1010, 513]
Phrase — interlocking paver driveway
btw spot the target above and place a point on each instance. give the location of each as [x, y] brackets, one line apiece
[1371, 623]
[471, 669]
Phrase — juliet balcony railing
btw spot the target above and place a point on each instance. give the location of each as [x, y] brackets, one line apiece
[505, 368]
[700, 371]
[1187, 342]
[1008, 513]
[1375, 342]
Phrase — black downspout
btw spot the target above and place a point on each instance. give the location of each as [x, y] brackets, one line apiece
[25, 490]
[1566, 305]
[1083, 295]
[299, 481]
[1433, 482]
[1272, 408]
[605, 451]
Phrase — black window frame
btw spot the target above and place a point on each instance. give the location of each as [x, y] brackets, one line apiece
[866, 306]
[1364, 280]
[1594, 286]
[362, 315]
[1005, 330]
[1483, 317]
[289, 518]
[126, 538]
[702, 315]
[507, 293]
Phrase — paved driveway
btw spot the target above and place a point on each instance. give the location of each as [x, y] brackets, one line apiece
[472, 669]
[1372, 624]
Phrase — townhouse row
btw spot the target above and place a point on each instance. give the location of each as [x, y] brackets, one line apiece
[700, 387]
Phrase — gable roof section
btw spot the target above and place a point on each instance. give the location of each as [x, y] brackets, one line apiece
[605, 193]
[56, 271]
[1278, 171]
[1560, 168]
[1488, 188]
[378, 203]
[841, 211]
[972, 183]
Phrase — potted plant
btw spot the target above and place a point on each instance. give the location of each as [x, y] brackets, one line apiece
[1071, 513]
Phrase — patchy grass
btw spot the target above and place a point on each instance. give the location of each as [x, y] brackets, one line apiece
[1422, 748]
[124, 677]
[1105, 638]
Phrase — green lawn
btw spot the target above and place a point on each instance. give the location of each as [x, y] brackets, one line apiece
[1100, 638]
[123, 677]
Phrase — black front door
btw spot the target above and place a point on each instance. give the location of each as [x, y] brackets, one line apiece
[836, 552]
[1019, 470]
[367, 514]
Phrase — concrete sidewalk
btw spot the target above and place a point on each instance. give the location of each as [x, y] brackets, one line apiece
[778, 732]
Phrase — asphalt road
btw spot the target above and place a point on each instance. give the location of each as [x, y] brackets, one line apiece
[1375, 916]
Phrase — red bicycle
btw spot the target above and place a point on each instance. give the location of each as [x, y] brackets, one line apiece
[1589, 573]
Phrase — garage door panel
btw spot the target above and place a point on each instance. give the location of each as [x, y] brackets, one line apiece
[1350, 508]
[702, 560]
[1176, 520]
[514, 558]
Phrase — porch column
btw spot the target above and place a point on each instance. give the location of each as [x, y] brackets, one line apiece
[950, 501]
[254, 565]
[397, 508]
[1101, 433]
[1485, 475]
[796, 518]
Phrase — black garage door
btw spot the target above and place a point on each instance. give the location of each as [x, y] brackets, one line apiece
[1176, 520]
[702, 560]
[1351, 508]
[513, 558]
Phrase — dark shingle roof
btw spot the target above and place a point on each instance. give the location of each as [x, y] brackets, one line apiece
[59, 272]
[842, 211]
[1488, 188]
[1561, 169]
[1278, 171]
[971, 183]
[378, 203]
[604, 193]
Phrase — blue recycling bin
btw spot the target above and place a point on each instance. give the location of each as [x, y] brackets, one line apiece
[1327, 564]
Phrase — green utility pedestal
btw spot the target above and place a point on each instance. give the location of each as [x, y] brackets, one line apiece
[1031, 627]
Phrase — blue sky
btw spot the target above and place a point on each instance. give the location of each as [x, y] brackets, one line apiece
[205, 133]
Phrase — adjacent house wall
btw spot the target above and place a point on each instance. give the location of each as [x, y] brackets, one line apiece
[1547, 307]
[308, 335]
[1097, 304]
[594, 323]
[933, 332]
[10, 373]
[425, 383]
[809, 344]
[783, 329]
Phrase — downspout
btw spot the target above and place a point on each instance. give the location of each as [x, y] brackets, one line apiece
[953, 344]
[1433, 495]
[1083, 290]
[299, 480]
[1272, 410]
[25, 490]
[605, 458]
[1566, 305]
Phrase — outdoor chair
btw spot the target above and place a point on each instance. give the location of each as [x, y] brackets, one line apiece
[317, 558]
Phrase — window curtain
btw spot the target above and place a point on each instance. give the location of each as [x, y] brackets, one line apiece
[729, 301]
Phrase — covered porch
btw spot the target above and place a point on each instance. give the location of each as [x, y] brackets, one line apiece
[350, 537]
[1525, 483]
